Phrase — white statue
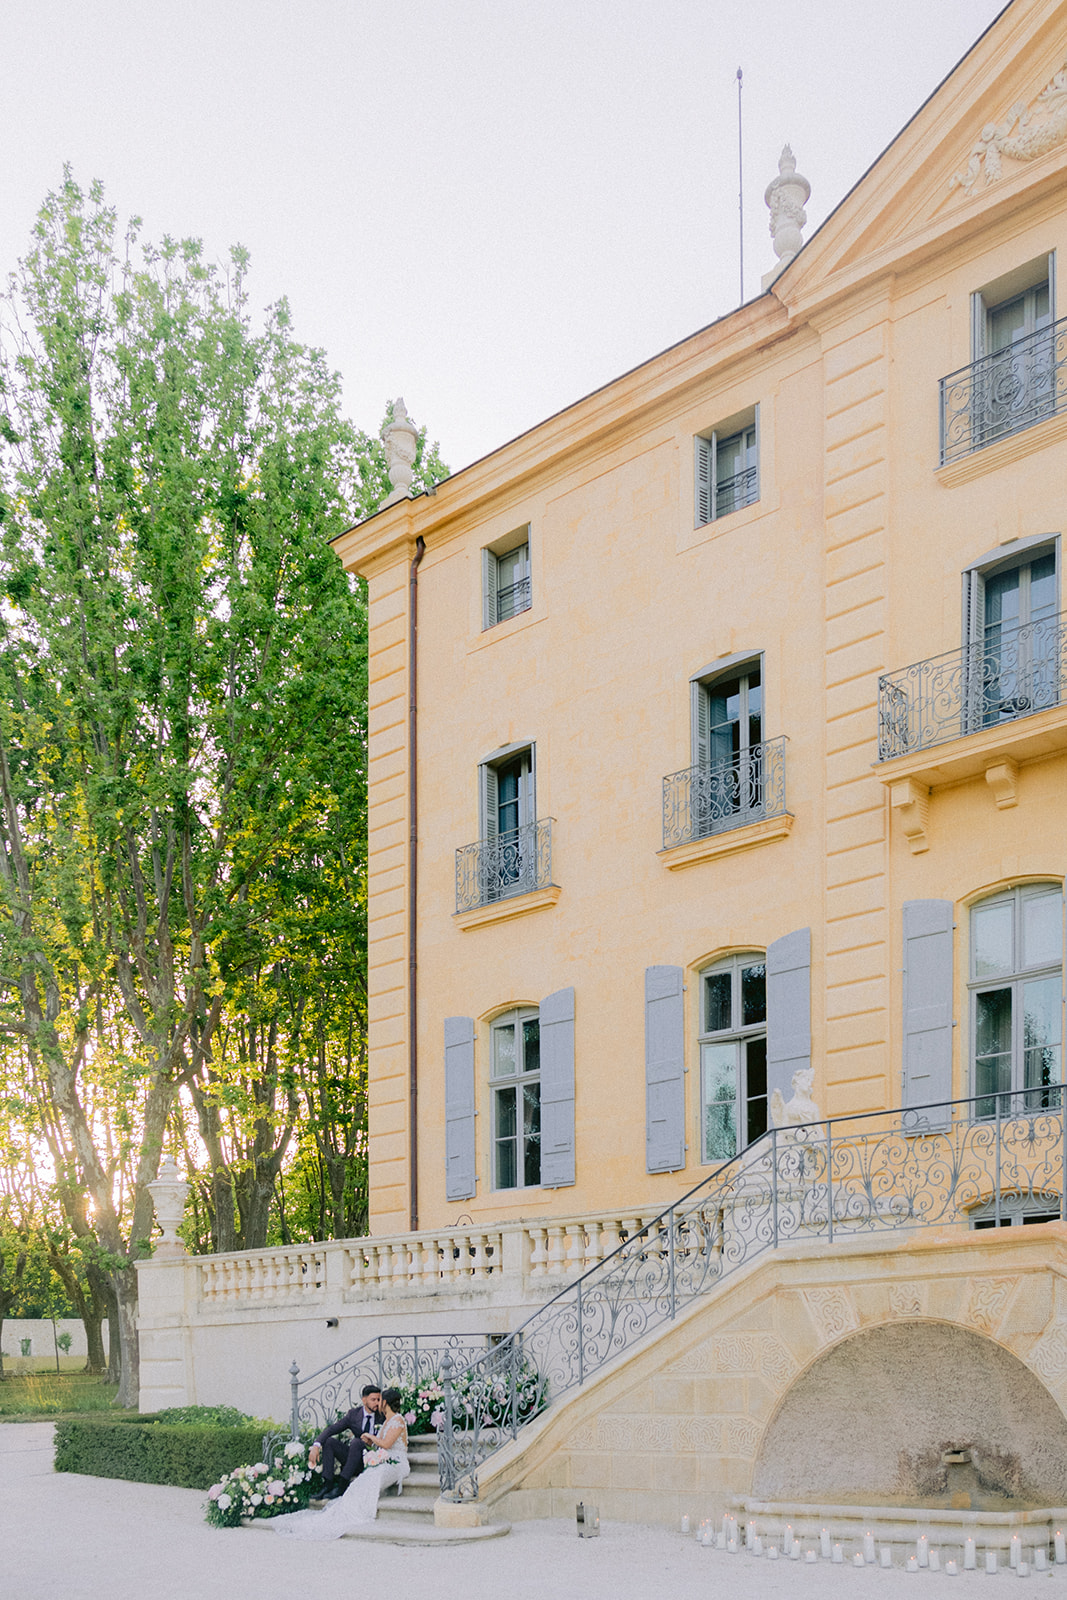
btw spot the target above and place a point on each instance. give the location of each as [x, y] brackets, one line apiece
[400, 440]
[785, 195]
[802, 1108]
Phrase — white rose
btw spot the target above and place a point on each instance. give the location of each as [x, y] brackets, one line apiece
[224, 1502]
[294, 1448]
[276, 1487]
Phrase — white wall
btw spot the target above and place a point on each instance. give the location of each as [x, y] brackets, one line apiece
[39, 1331]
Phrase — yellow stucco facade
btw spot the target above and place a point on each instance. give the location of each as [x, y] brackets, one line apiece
[877, 514]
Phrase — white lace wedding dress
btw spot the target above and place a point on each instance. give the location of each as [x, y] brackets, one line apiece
[358, 1504]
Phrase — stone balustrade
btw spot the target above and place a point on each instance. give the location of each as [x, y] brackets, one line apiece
[519, 1254]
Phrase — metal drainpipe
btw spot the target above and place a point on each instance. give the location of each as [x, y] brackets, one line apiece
[413, 885]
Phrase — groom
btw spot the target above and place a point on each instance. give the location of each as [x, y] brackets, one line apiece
[360, 1421]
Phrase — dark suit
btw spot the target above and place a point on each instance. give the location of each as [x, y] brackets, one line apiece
[348, 1453]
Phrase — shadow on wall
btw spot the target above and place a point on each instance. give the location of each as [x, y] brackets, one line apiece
[870, 1420]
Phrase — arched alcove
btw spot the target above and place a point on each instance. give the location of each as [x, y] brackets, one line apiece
[869, 1419]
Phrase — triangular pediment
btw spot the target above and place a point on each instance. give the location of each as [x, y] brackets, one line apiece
[997, 122]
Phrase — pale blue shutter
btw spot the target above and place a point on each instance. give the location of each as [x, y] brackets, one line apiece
[557, 1089]
[664, 1069]
[490, 806]
[705, 477]
[489, 588]
[701, 719]
[928, 986]
[459, 1108]
[788, 1010]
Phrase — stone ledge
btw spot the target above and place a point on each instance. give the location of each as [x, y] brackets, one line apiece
[1001, 454]
[503, 910]
[1043, 733]
[727, 844]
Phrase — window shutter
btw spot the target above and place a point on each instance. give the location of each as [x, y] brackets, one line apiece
[557, 1089]
[664, 1070]
[459, 1108]
[489, 589]
[490, 809]
[927, 1007]
[701, 714]
[788, 1010]
[705, 478]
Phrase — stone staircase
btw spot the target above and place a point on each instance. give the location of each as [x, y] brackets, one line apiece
[407, 1517]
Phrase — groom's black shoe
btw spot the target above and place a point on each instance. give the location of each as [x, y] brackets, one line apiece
[336, 1490]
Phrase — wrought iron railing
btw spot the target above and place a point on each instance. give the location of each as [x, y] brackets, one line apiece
[1003, 393]
[403, 1359]
[508, 863]
[846, 1178]
[740, 490]
[513, 598]
[1012, 673]
[710, 799]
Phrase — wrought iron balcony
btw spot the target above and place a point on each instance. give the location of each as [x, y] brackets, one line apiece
[505, 865]
[711, 799]
[512, 599]
[740, 490]
[1004, 393]
[1014, 673]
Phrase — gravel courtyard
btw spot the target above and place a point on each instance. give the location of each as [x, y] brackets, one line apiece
[93, 1539]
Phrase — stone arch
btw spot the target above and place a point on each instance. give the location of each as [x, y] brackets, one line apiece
[869, 1417]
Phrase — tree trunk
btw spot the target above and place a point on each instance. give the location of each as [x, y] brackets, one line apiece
[114, 1355]
[97, 1307]
[125, 1284]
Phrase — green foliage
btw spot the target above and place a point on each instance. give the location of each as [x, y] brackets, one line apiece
[216, 1416]
[64, 1342]
[191, 1456]
[50, 1394]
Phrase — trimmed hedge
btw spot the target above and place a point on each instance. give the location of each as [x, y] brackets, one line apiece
[144, 1451]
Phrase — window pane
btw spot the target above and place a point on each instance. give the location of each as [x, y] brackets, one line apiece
[531, 1044]
[1042, 588]
[1042, 929]
[753, 995]
[756, 1087]
[991, 933]
[506, 1167]
[504, 1051]
[719, 1068]
[992, 1059]
[1041, 1034]
[505, 1114]
[718, 1015]
[531, 1128]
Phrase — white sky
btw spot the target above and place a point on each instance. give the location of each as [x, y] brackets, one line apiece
[490, 207]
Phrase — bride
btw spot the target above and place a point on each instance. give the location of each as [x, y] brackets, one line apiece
[359, 1503]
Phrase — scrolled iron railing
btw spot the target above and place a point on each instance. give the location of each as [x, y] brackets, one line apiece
[703, 800]
[1011, 673]
[1005, 392]
[507, 864]
[844, 1178]
[404, 1359]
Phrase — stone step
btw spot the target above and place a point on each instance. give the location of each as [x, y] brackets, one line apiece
[411, 1533]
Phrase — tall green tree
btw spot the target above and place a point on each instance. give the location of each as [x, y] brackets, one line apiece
[175, 636]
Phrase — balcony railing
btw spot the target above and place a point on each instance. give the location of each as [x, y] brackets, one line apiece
[512, 598]
[740, 490]
[1004, 393]
[505, 865]
[1014, 672]
[704, 800]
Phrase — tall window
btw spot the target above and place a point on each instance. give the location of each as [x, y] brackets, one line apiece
[516, 1091]
[1015, 376]
[509, 811]
[727, 467]
[506, 587]
[727, 747]
[733, 1055]
[1016, 1000]
[1013, 634]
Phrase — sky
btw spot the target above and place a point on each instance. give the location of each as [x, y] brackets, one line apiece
[486, 206]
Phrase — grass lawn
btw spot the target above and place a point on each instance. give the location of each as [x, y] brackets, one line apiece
[31, 1396]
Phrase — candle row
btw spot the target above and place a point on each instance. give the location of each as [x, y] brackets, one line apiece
[728, 1538]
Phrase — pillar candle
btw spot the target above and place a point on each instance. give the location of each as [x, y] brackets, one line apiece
[1023, 1568]
[1040, 1559]
[707, 1539]
[1016, 1550]
[757, 1545]
[788, 1546]
[912, 1564]
[857, 1559]
[824, 1543]
[720, 1541]
[794, 1554]
[935, 1561]
[809, 1555]
[951, 1569]
[868, 1547]
[772, 1552]
[969, 1555]
[991, 1561]
[886, 1555]
[839, 1554]
[731, 1547]
[922, 1550]
[1061, 1547]
[685, 1524]
[750, 1534]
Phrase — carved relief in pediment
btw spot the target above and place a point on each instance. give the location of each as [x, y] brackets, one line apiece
[1028, 131]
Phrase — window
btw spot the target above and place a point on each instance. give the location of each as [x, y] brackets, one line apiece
[727, 467]
[509, 815]
[516, 1091]
[733, 1055]
[1016, 1000]
[1014, 379]
[1013, 637]
[1017, 1210]
[506, 588]
[728, 748]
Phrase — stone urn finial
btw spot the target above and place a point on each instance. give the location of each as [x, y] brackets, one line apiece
[400, 440]
[168, 1193]
[785, 197]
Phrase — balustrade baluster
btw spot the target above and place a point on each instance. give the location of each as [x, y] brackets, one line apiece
[478, 1268]
[555, 1252]
[429, 1269]
[494, 1253]
[538, 1252]
[574, 1259]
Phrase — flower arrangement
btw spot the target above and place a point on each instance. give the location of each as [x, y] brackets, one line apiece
[473, 1393]
[267, 1489]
